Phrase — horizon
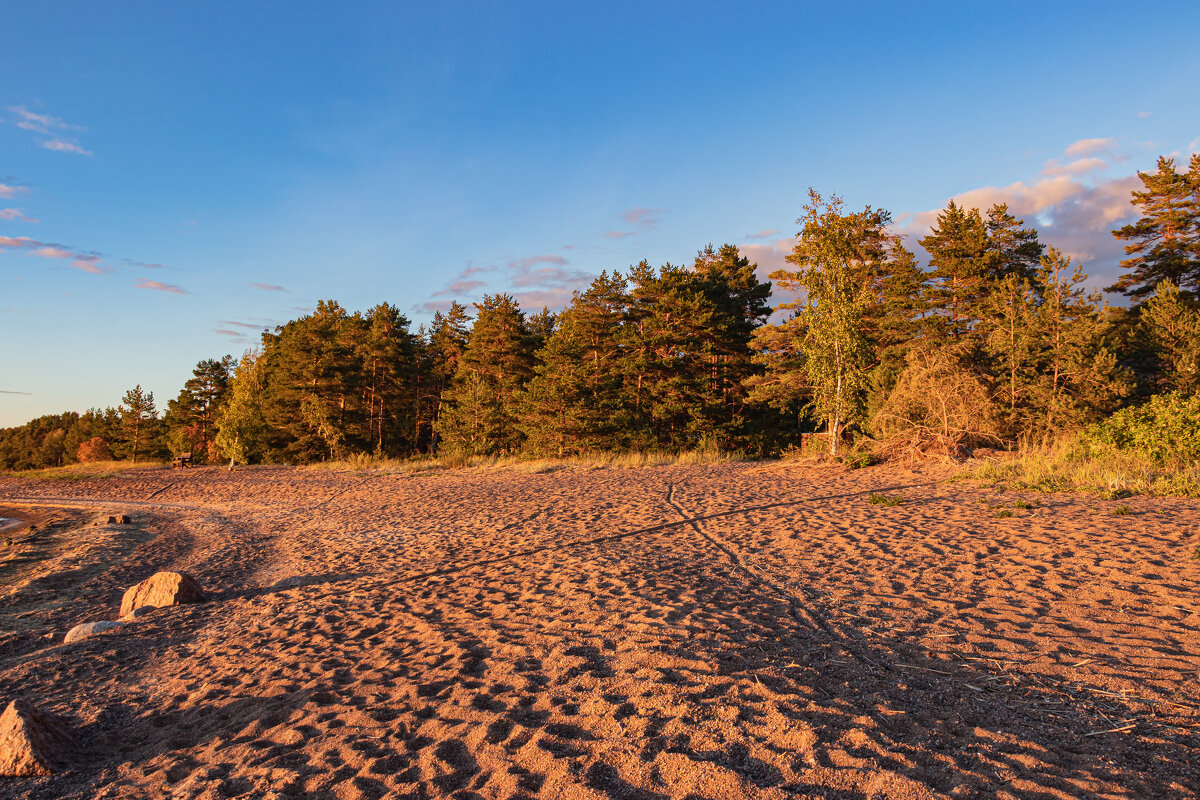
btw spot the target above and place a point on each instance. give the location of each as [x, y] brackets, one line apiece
[165, 196]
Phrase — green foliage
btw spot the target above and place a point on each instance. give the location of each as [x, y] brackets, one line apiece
[885, 500]
[1004, 513]
[1172, 324]
[1122, 511]
[1165, 430]
[241, 425]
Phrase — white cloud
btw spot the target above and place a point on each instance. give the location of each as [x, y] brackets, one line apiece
[1091, 147]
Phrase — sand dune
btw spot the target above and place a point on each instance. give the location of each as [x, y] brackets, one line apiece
[719, 631]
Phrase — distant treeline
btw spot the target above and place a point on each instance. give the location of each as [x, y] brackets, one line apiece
[992, 341]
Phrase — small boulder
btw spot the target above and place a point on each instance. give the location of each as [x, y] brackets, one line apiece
[119, 519]
[160, 590]
[32, 741]
[89, 628]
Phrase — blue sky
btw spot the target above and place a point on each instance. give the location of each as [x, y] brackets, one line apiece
[176, 176]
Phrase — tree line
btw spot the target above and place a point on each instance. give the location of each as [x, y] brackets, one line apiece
[992, 341]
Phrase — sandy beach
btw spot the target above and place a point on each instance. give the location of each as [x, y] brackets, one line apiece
[702, 631]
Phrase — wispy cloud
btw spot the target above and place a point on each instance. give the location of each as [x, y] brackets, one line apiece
[1143, 114]
[159, 286]
[270, 287]
[642, 219]
[53, 251]
[54, 129]
[85, 261]
[763, 234]
[9, 190]
[226, 332]
[1080, 166]
[15, 215]
[10, 391]
[1091, 147]
[88, 261]
[459, 288]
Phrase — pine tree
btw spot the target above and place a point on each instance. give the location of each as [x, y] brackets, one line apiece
[958, 250]
[1165, 243]
[312, 383]
[1008, 329]
[138, 417]
[1012, 249]
[442, 348]
[479, 409]
[1172, 323]
[574, 403]
[1079, 379]
[191, 417]
[387, 353]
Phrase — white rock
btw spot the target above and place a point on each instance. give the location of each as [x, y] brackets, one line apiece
[87, 629]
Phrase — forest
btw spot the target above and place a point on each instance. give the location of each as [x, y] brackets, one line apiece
[994, 342]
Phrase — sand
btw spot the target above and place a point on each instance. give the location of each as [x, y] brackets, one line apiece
[707, 631]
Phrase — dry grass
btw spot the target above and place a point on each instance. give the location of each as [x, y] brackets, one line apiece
[530, 466]
[87, 471]
[1065, 466]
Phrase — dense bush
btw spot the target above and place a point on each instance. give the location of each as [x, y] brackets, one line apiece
[1165, 430]
[94, 449]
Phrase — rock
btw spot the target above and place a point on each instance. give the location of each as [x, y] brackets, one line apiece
[89, 628]
[119, 519]
[160, 590]
[32, 741]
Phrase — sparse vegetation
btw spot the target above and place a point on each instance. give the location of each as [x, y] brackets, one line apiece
[1004, 513]
[885, 499]
[1122, 511]
[1067, 464]
[87, 471]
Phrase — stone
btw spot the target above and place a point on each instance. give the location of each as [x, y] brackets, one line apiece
[119, 519]
[32, 741]
[87, 629]
[160, 590]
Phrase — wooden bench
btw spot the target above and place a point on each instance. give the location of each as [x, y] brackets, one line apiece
[182, 460]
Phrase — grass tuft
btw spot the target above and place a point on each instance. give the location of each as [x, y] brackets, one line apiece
[1122, 511]
[1004, 513]
[885, 499]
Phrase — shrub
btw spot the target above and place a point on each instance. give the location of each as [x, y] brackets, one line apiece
[937, 406]
[885, 500]
[94, 449]
[1165, 430]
